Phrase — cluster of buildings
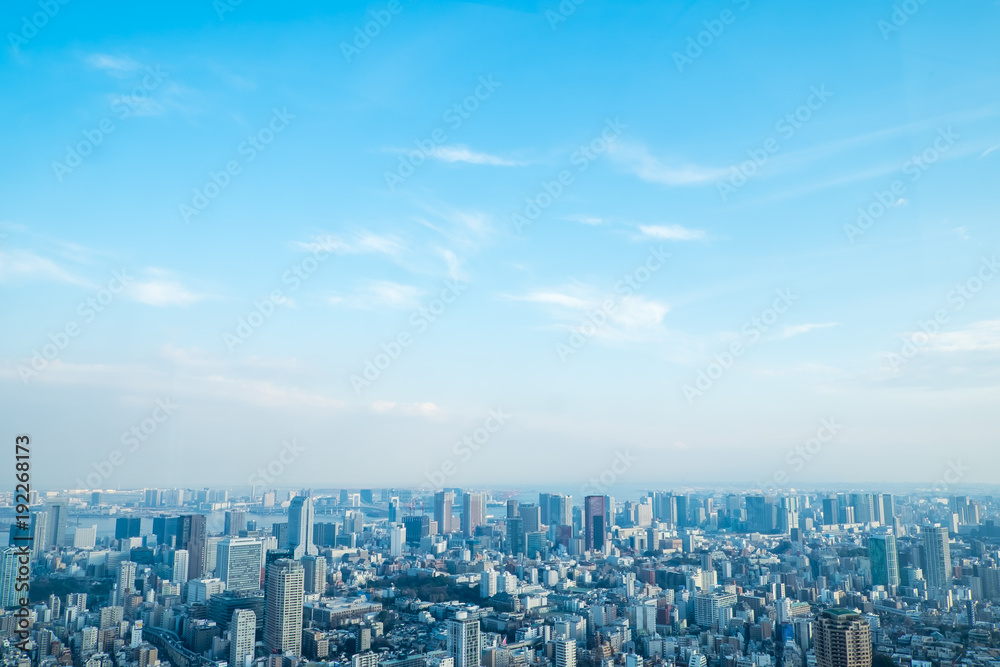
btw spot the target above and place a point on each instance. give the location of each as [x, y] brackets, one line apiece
[395, 578]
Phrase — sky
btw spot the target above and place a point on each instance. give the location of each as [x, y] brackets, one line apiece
[501, 243]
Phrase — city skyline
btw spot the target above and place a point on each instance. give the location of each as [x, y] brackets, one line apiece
[712, 237]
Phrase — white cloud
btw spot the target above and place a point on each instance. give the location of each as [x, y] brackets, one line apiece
[469, 156]
[796, 329]
[161, 290]
[671, 232]
[632, 318]
[979, 336]
[425, 409]
[381, 294]
[638, 160]
[112, 64]
[26, 264]
[586, 220]
[361, 242]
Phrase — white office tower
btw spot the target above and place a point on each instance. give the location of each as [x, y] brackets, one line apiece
[126, 580]
[489, 583]
[463, 640]
[645, 617]
[301, 517]
[180, 571]
[199, 590]
[283, 607]
[237, 563]
[241, 637]
[565, 653]
[396, 540]
[367, 659]
[85, 538]
[937, 552]
[136, 633]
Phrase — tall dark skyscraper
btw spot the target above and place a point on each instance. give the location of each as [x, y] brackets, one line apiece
[126, 527]
[595, 523]
[515, 535]
[57, 511]
[235, 522]
[192, 534]
[884, 560]
[165, 529]
[543, 505]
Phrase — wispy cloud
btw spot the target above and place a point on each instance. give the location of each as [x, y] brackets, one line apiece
[115, 65]
[980, 336]
[19, 263]
[381, 294]
[159, 292]
[361, 242]
[424, 409]
[469, 156]
[671, 232]
[796, 329]
[637, 159]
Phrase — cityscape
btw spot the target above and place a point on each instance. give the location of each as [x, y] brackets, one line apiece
[466, 578]
[500, 333]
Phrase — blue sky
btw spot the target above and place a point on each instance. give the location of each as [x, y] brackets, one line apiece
[740, 139]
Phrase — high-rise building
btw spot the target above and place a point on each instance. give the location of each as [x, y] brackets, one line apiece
[8, 577]
[760, 513]
[314, 574]
[57, 515]
[565, 653]
[515, 535]
[128, 527]
[179, 574]
[416, 528]
[937, 558]
[543, 508]
[235, 522]
[301, 517]
[531, 517]
[560, 510]
[464, 641]
[165, 529]
[473, 513]
[885, 561]
[443, 501]
[595, 523]
[283, 604]
[396, 538]
[238, 561]
[85, 538]
[242, 631]
[512, 508]
[842, 638]
[126, 579]
[192, 534]
[39, 533]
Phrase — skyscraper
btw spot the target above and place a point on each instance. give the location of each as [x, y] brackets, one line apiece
[179, 573]
[937, 558]
[464, 640]
[443, 501]
[126, 579]
[515, 535]
[8, 577]
[884, 559]
[565, 653]
[242, 631]
[238, 562]
[57, 513]
[543, 507]
[39, 533]
[595, 523]
[473, 513]
[315, 574]
[831, 511]
[396, 538]
[235, 522]
[301, 516]
[192, 534]
[126, 527]
[842, 639]
[283, 607]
